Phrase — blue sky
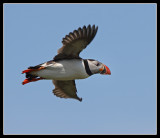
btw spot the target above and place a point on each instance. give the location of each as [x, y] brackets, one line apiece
[122, 103]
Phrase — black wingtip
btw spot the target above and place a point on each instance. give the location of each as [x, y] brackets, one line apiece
[80, 99]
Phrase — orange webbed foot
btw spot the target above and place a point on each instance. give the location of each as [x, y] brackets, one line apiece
[31, 80]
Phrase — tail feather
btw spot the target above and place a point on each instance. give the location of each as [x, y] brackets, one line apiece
[29, 76]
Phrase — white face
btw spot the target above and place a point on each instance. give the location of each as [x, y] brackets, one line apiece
[95, 66]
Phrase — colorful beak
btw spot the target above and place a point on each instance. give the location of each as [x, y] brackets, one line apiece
[105, 70]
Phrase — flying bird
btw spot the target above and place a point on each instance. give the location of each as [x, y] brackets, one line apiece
[67, 65]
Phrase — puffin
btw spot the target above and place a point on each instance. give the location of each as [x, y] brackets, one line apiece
[67, 66]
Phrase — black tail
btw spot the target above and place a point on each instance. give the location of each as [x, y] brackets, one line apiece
[30, 76]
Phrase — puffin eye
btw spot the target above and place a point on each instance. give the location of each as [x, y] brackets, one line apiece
[97, 64]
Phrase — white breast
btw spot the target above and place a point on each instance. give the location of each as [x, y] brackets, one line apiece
[63, 70]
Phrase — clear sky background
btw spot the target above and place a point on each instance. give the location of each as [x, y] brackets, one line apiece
[122, 103]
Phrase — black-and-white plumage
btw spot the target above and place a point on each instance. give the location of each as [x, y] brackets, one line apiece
[67, 65]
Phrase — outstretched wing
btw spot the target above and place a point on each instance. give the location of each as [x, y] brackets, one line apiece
[65, 89]
[75, 42]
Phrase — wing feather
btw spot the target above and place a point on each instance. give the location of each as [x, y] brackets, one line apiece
[65, 89]
[75, 42]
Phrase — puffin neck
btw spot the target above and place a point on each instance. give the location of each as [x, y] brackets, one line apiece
[87, 67]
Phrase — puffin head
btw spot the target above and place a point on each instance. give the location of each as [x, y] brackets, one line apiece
[98, 67]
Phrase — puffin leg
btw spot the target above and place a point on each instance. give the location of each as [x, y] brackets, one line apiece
[31, 80]
[30, 70]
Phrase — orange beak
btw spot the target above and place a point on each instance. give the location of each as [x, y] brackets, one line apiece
[105, 70]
